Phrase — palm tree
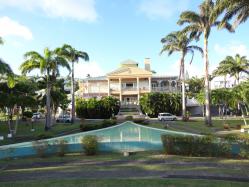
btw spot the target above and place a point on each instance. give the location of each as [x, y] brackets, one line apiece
[233, 66]
[233, 8]
[5, 68]
[48, 64]
[198, 24]
[72, 55]
[179, 42]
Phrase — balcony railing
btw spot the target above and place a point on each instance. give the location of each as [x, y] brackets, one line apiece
[160, 89]
[129, 89]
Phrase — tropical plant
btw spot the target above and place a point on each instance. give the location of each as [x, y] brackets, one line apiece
[48, 64]
[6, 71]
[195, 85]
[198, 24]
[233, 66]
[72, 55]
[221, 98]
[105, 108]
[233, 8]
[154, 103]
[180, 42]
[12, 99]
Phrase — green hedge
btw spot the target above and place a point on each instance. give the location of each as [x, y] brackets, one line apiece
[97, 109]
[195, 146]
[242, 140]
[105, 123]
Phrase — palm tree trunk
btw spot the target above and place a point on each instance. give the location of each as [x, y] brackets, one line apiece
[48, 106]
[72, 94]
[208, 120]
[183, 88]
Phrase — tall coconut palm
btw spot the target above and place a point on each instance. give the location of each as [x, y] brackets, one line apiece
[73, 56]
[6, 70]
[198, 24]
[233, 8]
[180, 42]
[233, 66]
[48, 64]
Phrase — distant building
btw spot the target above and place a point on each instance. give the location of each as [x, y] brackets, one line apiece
[228, 82]
[128, 83]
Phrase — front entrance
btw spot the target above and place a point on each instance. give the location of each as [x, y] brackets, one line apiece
[129, 100]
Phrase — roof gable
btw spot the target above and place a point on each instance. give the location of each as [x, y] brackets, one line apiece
[129, 72]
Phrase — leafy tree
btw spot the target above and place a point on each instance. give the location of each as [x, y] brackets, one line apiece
[48, 64]
[97, 109]
[221, 98]
[22, 95]
[154, 103]
[195, 85]
[72, 55]
[198, 24]
[180, 42]
[240, 98]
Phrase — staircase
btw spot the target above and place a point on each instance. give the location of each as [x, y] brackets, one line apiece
[130, 110]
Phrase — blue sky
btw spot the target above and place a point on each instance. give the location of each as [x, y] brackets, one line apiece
[110, 31]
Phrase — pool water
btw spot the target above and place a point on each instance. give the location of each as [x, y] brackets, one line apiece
[127, 136]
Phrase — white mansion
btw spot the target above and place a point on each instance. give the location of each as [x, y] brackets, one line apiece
[128, 83]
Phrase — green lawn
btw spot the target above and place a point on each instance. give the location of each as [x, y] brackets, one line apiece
[198, 126]
[68, 170]
[125, 183]
[24, 132]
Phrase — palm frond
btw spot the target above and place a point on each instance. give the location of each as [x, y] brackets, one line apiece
[189, 17]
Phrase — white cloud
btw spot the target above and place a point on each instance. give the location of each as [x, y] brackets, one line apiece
[82, 10]
[232, 49]
[9, 27]
[84, 68]
[165, 9]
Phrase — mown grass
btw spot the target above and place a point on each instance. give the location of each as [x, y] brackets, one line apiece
[125, 182]
[24, 132]
[197, 125]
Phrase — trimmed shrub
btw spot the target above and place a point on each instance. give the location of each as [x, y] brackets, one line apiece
[103, 124]
[108, 123]
[129, 118]
[41, 148]
[27, 114]
[62, 147]
[141, 121]
[195, 146]
[44, 136]
[90, 144]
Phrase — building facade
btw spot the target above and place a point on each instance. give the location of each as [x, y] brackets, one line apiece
[128, 83]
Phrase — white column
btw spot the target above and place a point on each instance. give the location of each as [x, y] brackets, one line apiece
[149, 84]
[170, 86]
[138, 90]
[108, 87]
[120, 90]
